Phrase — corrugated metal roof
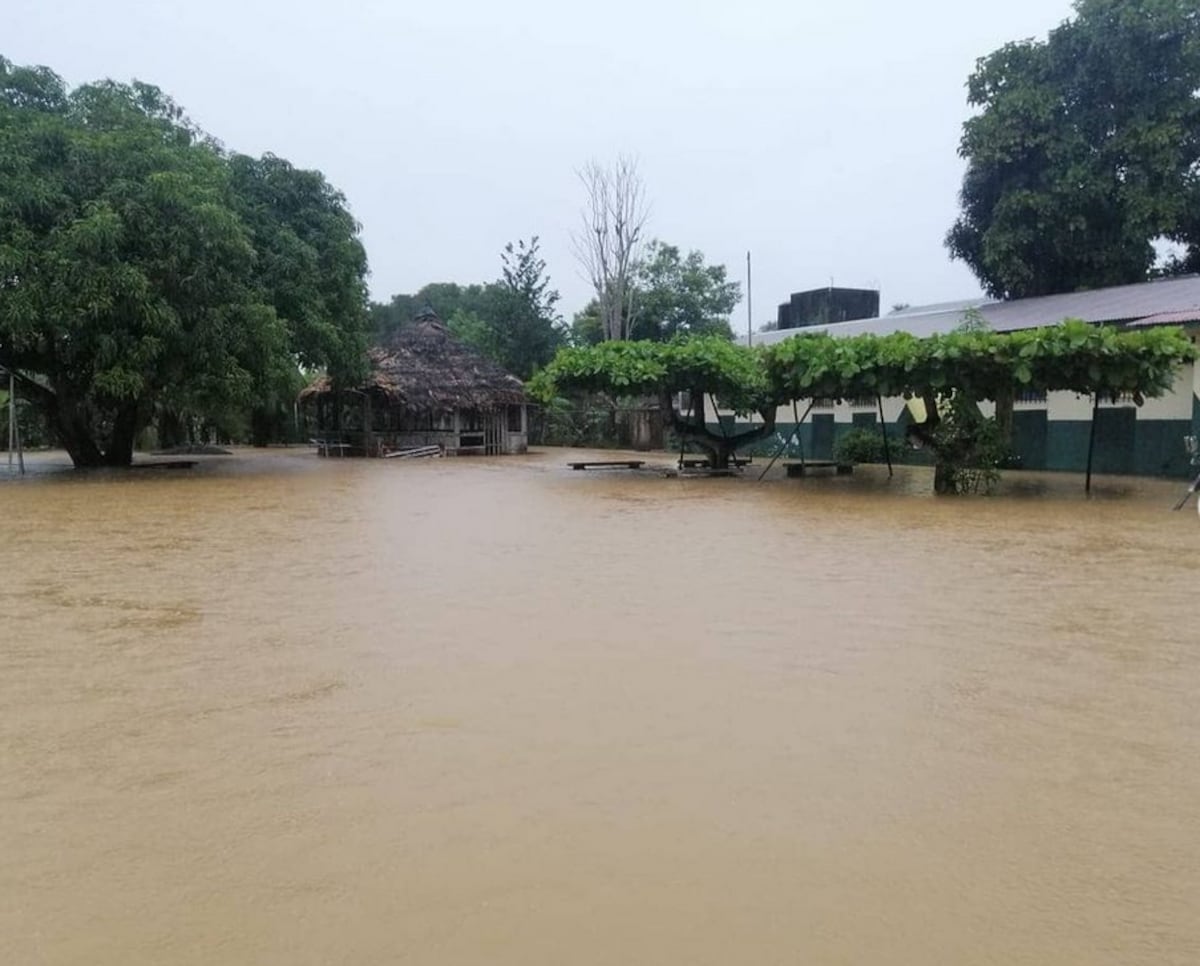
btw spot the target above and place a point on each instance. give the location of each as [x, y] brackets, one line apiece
[1122, 303]
[958, 305]
[1170, 318]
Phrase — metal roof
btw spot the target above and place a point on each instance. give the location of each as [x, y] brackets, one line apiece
[1122, 303]
[1170, 318]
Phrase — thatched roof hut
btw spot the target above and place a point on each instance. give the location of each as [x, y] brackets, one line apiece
[425, 387]
[425, 368]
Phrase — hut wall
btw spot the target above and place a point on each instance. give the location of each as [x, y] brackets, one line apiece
[516, 436]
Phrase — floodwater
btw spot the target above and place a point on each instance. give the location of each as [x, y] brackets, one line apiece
[282, 710]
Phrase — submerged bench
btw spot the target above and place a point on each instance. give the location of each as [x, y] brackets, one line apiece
[698, 462]
[801, 469]
[609, 464]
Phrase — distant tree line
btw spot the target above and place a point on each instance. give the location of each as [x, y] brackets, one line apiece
[514, 319]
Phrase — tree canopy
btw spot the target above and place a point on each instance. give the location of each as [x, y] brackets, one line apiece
[1073, 356]
[672, 295]
[513, 320]
[700, 367]
[1085, 151]
[141, 265]
[447, 299]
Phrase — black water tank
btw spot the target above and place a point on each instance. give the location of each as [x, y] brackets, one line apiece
[821, 306]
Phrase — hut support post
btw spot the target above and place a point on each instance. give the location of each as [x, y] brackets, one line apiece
[1087, 483]
[368, 427]
[14, 430]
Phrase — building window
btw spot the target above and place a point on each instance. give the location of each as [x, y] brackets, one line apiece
[823, 402]
[514, 419]
[1030, 396]
[863, 402]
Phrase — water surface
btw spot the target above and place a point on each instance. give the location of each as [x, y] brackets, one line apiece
[281, 710]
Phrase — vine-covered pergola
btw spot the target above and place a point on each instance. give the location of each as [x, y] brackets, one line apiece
[963, 368]
[954, 369]
[709, 368]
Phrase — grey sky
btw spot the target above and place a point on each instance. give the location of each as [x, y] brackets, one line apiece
[821, 136]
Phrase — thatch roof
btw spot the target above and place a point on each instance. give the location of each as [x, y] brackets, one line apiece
[424, 368]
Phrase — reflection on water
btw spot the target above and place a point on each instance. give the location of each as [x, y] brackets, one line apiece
[277, 710]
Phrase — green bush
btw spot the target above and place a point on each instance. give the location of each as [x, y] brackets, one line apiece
[860, 446]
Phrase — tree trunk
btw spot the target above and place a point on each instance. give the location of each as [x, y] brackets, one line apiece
[69, 421]
[943, 478]
[1004, 415]
[171, 430]
[261, 426]
[76, 437]
[943, 472]
[73, 422]
[126, 426]
[720, 448]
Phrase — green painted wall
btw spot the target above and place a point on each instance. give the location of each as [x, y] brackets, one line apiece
[1030, 429]
[1059, 445]
[1160, 449]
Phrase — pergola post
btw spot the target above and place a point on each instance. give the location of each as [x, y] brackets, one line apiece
[887, 449]
[1087, 483]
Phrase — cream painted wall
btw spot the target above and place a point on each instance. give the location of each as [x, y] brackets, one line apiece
[1176, 404]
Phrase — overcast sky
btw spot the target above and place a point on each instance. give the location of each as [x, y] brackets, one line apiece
[820, 136]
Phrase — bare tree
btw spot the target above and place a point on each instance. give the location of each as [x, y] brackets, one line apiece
[610, 240]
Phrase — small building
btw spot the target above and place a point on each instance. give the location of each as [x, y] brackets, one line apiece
[425, 388]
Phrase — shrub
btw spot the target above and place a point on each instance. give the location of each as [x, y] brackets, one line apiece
[860, 446]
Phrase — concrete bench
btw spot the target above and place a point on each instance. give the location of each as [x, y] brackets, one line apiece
[609, 465]
[807, 466]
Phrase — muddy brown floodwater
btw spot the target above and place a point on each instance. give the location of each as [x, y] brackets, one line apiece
[282, 710]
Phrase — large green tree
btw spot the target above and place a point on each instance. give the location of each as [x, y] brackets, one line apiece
[1084, 152]
[681, 295]
[672, 295]
[142, 268]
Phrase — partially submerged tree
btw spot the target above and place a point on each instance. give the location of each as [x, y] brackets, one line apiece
[142, 268]
[1085, 151]
[610, 239]
[701, 369]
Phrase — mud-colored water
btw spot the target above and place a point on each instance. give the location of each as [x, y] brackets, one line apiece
[278, 710]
